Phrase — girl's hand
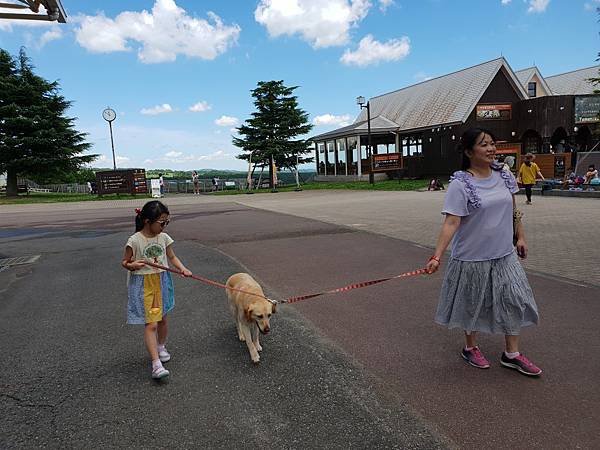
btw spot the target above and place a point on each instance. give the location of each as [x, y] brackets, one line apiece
[186, 273]
[432, 266]
[522, 248]
[136, 265]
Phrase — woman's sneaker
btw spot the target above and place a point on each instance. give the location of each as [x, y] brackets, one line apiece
[159, 373]
[521, 364]
[475, 358]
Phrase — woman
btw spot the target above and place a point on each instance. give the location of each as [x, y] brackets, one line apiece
[528, 173]
[591, 175]
[195, 180]
[485, 289]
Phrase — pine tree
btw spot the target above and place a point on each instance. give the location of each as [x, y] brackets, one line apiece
[37, 139]
[271, 134]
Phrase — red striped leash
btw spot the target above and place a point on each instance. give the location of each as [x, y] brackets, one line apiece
[298, 298]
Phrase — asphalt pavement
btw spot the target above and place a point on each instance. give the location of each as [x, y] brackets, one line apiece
[367, 368]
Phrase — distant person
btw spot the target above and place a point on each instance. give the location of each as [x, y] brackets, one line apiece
[150, 290]
[509, 163]
[485, 288]
[435, 185]
[161, 183]
[215, 183]
[528, 174]
[89, 186]
[591, 175]
[196, 182]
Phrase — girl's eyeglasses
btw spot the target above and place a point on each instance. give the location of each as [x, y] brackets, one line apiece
[163, 223]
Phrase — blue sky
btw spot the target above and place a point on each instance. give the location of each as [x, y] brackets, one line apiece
[179, 72]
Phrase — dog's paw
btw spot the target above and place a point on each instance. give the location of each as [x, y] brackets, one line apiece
[242, 338]
[256, 359]
[258, 348]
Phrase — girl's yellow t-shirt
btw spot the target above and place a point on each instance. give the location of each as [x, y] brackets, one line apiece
[528, 174]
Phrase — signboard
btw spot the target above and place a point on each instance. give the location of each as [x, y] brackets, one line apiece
[513, 149]
[587, 109]
[494, 112]
[127, 181]
[387, 161]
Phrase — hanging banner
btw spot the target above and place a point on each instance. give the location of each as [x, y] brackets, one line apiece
[155, 186]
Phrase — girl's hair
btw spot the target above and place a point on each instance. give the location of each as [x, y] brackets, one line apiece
[151, 211]
[467, 142]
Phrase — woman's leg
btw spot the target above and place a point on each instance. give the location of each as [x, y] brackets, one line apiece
[150, 340]
[163, 330]
[512, 343]
[470, 339]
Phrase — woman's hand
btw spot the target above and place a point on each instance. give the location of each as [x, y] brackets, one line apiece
[522, 248]
[433, 264]
[186, 273]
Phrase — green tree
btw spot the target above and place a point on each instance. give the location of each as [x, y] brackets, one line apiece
[272, 133]
[36, 137]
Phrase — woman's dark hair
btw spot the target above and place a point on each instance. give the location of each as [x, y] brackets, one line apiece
[592, 166]
[467, 142]
[151, 211]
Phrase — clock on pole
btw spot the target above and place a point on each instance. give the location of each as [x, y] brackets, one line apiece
[109, 115]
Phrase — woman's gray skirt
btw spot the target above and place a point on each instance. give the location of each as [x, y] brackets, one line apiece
[489, 296]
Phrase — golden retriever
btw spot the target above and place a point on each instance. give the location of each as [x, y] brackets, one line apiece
[250, 312]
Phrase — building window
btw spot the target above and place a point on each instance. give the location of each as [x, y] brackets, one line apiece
[532, 88]
[412, 145]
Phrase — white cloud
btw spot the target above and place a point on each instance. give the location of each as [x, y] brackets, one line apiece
[371, 51]
[200, 107]
[48, 36]
[161, 35]
[218, 155]
[173, 154]
[122, 159]
[385, 4]
[330, 119]
[227, 121]
[158, 109]
[321, 23]
[506, 2]
[421, 76]
[591, 6]
[537, 6]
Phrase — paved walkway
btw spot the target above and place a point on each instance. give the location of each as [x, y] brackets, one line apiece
[561, 231]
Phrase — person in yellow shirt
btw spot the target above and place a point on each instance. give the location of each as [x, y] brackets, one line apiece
[529, 172]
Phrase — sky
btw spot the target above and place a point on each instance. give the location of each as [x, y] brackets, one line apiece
[179, 73]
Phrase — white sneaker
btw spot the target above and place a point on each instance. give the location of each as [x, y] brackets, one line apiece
[164, 356]
[159, 373]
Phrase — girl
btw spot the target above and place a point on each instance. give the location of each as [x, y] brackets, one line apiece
[528, 174]
[485, 288]
[150, 290]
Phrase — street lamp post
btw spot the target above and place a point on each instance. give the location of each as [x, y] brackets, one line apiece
[109, 115]
[360, 101]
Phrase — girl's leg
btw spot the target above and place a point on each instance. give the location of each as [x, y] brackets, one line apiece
[470, 339]
[163, 330]
[150, 340]
[512, 343]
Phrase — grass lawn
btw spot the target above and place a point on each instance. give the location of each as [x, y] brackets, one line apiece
[52, 197]
[388, 185]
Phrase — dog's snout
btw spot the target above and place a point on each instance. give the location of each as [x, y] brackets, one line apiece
[266, 330]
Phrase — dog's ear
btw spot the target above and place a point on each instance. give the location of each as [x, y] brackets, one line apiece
[248, 314]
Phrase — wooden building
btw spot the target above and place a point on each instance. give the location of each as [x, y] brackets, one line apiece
[414, 130]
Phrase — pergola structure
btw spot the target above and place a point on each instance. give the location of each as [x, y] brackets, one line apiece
[51, 10]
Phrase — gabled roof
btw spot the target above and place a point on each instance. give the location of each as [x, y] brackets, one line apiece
[444, 100]
[575, 82]
[526, 75]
